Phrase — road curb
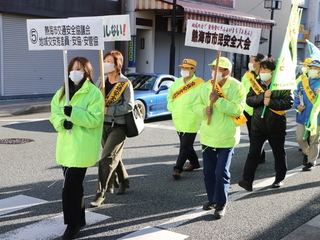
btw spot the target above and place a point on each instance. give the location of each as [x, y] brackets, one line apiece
[27, 110]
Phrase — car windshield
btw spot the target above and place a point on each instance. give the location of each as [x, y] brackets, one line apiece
[142, 81]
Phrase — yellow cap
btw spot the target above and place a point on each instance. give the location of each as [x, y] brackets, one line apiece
[223, 63]
[307, 61]
[188, 63]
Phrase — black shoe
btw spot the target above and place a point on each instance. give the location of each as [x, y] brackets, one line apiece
[209, 206]
[176, 174]
[262, 160]
[220, 211]
[308, 167]
[305, 160]
[71, 232]
[246, 185]
[123, 186]
[191, 167]
[277, 184]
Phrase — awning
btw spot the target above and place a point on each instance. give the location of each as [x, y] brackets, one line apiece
[208, 13]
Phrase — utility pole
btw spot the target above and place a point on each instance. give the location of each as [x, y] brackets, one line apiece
[173, 35]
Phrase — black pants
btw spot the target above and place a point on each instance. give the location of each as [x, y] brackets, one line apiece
[72, 196]
[263, 154]
[186, 150]
[280, 158]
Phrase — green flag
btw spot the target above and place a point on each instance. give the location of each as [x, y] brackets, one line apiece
[313, 118]
[284, 75]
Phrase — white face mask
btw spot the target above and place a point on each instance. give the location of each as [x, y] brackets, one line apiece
[251, 68]
[76, 76]
[304, 70]
[108, 67]
[219, 76]
[313, 73]
[265, 76]
[184, 73]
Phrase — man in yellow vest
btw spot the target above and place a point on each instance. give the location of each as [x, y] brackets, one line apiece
[181, 97]
[223, 104]
[304, 98]
[250, 76]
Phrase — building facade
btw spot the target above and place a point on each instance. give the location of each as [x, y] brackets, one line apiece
[25, 73]
[309, 27]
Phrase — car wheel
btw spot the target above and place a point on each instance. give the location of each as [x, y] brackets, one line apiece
[141, 108]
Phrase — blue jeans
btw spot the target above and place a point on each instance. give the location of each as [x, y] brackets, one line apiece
[216, 165]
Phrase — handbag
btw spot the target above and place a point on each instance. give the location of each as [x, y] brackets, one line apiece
[134, 122]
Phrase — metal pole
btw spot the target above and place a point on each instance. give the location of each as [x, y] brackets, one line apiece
[173, 34]
[270, 36]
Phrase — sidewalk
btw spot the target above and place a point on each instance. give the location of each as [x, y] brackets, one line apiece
[13, 107]
[310, 230]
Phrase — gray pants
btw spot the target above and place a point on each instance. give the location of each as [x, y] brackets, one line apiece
[110, 164]
[311, 149]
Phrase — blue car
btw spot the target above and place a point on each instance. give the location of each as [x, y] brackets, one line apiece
[150, 93]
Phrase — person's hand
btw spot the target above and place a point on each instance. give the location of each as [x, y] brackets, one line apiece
[267, 96]
[266, 101]
[318, 91]
[67, 110]
[300, 108]
[209, 111]
[105, 110]
[67, 124]
[213, 96]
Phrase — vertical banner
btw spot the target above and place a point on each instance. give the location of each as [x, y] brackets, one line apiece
[228, 38]
[313, 51]
[284, 75]
[65, 34]
[132, 51]
[116, 28]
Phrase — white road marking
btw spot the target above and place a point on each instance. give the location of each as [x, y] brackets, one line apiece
[17, 121]
[198, 212]
[150, 125]
[18, 202]
[177, 221]
[261, 184]
[48, 229]
[151, 233]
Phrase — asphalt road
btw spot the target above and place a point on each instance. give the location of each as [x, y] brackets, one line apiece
[155, 206]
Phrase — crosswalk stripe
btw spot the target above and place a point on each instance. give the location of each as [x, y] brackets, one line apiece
[17, 203]
[48, 229]
[151, 233]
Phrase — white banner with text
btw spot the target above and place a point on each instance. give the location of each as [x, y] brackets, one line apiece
[228, 38]
[71, 33]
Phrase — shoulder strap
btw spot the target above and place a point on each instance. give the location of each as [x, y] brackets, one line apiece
[116, 92]
[240, 119]
[305, 83]
[258, 89]
[186, 87]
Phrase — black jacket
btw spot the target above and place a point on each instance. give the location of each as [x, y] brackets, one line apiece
[271, 123]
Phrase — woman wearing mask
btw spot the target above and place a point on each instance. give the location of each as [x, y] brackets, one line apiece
[78, 149]
[271, 127]
[119, 101]
[248, 79]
